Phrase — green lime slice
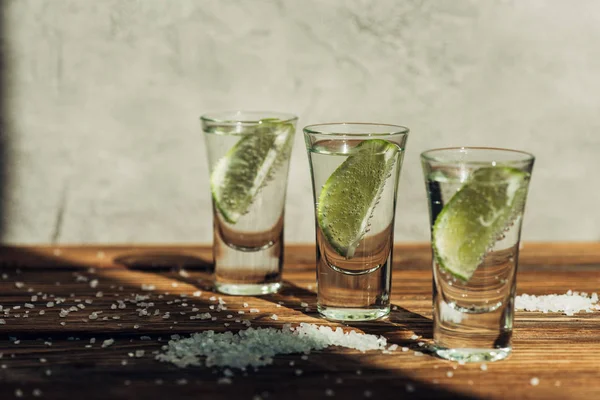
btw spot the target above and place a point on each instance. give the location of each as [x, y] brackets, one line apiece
[350, 194]
[476, 216]
[238, 176]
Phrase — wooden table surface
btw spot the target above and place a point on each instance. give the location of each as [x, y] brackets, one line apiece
[51, 357]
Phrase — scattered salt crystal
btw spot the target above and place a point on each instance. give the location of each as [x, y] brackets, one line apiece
[107, 343]
[197, 293]
[569, 303]
[414, 337]
[93, 315]
[534, 381]
[18, 393]
[404, 349]
[274, 317]
[224, 381]
[34, 298]
[303, 304]
[50, 304]
[2, 321]
[183, 273]
[418, 354]
[212, 298]
[139, 353]
[245, 305]
[94, 283]
[483, 367]
[36, 392]
[393, 347]
[148, 288]
[449, 374]
[19, 285]
[254, 310]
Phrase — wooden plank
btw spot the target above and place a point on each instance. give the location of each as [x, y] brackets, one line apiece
[560, 351]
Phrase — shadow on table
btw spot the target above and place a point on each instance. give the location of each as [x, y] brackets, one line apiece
[321, 374]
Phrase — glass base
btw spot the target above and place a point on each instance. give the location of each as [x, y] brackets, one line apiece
[472, 355]
[352, 314]
[248, 289]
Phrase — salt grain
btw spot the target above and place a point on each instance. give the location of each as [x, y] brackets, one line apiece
[107, 343]
[534, 381]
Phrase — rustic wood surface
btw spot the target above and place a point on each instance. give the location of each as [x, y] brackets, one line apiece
[51, 357]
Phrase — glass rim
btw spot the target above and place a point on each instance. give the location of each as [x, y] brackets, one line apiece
[224, 117]
[524, 155]
[397, 129]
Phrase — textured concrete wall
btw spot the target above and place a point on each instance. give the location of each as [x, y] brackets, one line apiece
[102, 98]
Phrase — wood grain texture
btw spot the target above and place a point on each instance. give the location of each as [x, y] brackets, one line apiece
[562, 352]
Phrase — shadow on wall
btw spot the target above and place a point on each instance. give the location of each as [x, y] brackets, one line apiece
[4, 123]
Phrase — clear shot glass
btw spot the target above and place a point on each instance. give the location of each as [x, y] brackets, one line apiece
[476, 202]
[355, 169]
[249, 155]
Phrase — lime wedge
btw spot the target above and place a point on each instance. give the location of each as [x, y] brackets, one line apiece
[238, 177]
[476, 216]
[350, 194]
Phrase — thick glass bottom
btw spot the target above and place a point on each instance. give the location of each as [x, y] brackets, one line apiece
[248, 289]
[352, 314]
[473, 355]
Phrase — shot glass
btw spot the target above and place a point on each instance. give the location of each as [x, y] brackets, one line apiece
[249, 155]
[355, 169]
[476, 202]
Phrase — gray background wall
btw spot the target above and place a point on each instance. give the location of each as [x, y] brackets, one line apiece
[101, 103]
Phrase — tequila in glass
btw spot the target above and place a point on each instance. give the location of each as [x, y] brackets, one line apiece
[249, 155]
[476, 202]
[355, 171]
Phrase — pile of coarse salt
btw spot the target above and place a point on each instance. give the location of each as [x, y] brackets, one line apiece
[569, 303]
[257, 347]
